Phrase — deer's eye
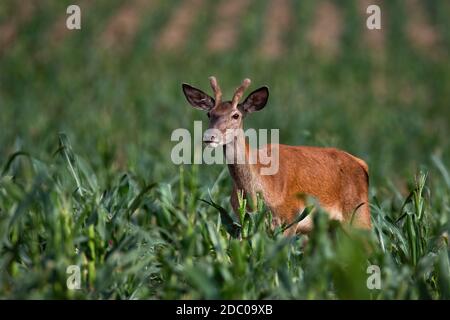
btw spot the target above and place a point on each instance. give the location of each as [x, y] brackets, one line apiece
[235, 116]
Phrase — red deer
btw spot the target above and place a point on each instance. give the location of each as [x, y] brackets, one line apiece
[337, 179]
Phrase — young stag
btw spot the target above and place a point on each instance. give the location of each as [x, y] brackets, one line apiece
[338, 180]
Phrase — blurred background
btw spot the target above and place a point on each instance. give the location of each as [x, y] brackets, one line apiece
[91, 113]
[114, 87]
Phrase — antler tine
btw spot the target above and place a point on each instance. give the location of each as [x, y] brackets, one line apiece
[240, 91]
[216, 89]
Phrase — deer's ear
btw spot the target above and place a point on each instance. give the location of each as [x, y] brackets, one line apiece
[197, 98]
[256, 100]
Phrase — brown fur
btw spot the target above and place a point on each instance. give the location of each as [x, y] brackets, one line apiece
[335, 178]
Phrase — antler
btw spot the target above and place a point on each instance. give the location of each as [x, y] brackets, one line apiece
[240, 91]
[216, 89]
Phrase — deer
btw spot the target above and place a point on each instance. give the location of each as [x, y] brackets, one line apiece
[338, 180]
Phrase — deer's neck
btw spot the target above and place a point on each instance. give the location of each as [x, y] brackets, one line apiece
[242, 172]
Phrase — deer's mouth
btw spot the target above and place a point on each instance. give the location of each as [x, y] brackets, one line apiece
[211, 143]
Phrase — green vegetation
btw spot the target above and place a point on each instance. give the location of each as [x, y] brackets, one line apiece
[86, 177]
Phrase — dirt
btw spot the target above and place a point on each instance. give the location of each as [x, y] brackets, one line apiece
[224, 34]
[423, 36]
[374, 39]
[176, 32]
[325, 33]
[58, 32]
[10, 28]
[122, 27]
[277, 22]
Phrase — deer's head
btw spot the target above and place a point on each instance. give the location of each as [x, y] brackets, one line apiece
[225, 117]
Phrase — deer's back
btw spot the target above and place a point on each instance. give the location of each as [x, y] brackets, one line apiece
[336, 178]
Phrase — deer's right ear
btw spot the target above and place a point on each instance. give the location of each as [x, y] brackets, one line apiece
[197, 98]
[256, 100]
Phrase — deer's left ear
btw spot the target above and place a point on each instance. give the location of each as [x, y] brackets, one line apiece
[256, 100]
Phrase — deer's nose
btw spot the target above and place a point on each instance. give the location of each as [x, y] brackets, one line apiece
[210, 137]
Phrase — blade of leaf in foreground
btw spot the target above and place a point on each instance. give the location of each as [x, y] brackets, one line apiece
[300, 217]
[229, 223]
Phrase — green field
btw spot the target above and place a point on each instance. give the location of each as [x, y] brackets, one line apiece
[86, 176]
